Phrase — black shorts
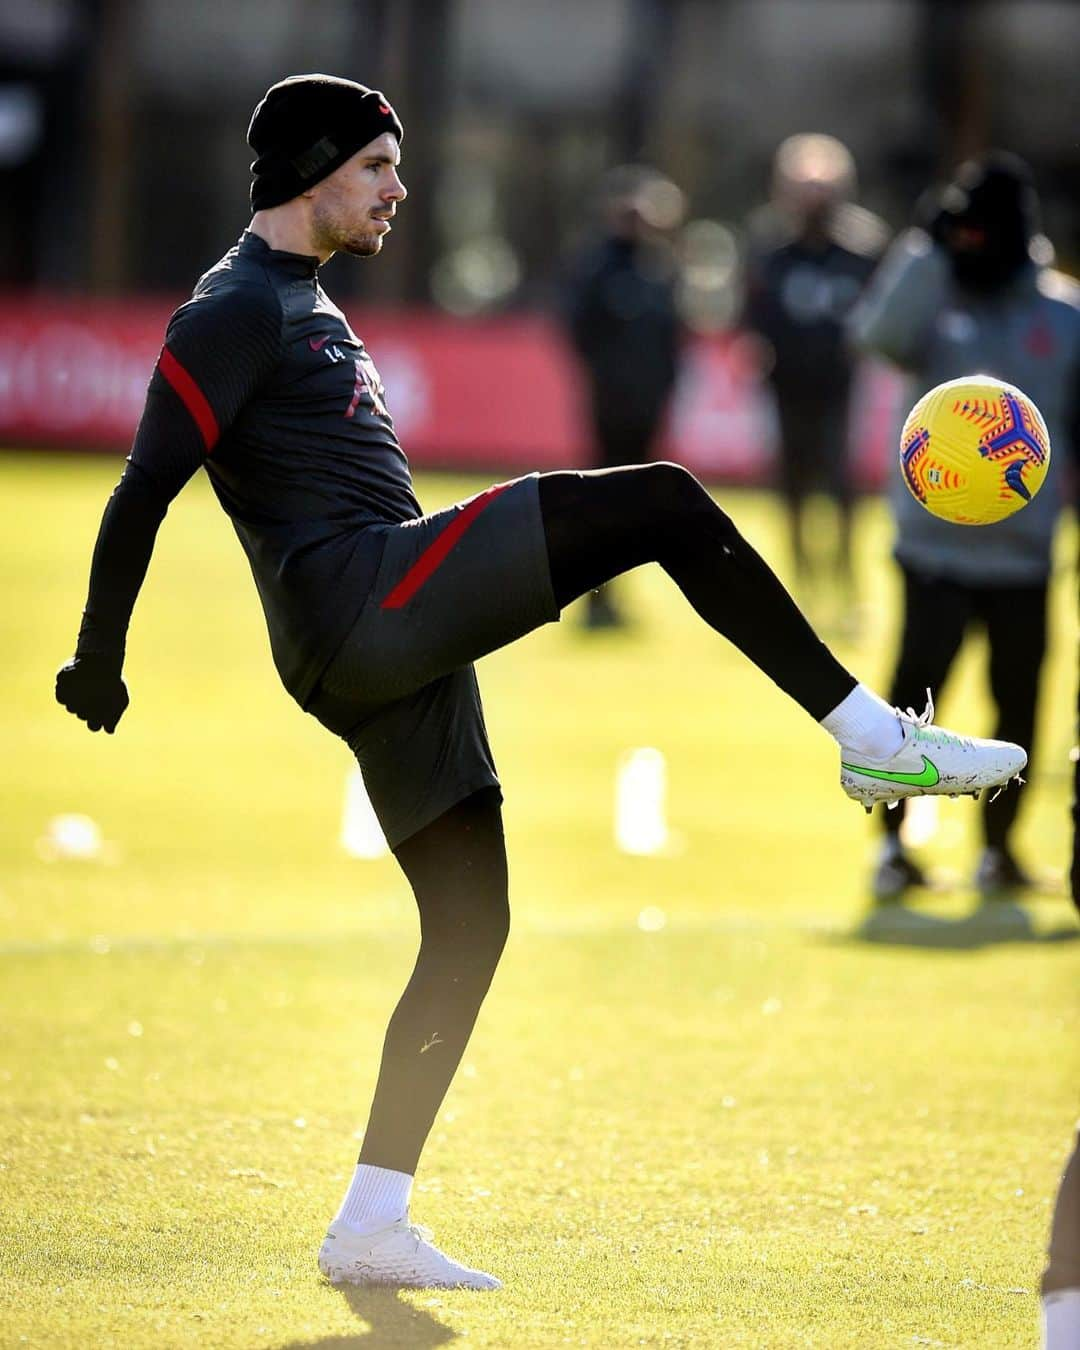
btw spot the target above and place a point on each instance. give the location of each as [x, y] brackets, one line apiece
[401, 690]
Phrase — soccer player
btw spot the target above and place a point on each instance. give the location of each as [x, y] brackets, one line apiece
[376, 611]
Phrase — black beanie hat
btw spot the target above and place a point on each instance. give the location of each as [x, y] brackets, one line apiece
[307, 126]
[995, 194]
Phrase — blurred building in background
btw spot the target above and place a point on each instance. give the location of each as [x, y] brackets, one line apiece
[124, 174]
[123, 160]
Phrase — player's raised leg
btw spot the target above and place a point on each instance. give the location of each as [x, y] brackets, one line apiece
[457, 869]
[602, 523]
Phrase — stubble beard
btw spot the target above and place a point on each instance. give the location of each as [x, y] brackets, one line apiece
[333, 237]
[361, 245]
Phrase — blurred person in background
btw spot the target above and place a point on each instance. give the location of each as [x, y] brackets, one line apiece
[1060, 1284]
[623, 323]
[811, 253]
[970, 291]
[376, 611]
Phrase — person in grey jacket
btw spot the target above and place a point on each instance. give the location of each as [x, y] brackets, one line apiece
[972, 292]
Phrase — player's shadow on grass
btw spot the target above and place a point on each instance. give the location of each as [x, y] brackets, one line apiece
[993, 924]
[391, 1324]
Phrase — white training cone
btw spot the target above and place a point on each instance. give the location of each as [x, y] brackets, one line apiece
[71, 836]
[641, 802]
[361, 833]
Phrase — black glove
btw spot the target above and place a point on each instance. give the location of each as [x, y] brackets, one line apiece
[90, 686]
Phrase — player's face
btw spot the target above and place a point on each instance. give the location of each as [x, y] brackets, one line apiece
[353, 207]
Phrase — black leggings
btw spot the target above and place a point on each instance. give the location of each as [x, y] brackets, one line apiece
[598, 525]
[602, 523]
[457, 869]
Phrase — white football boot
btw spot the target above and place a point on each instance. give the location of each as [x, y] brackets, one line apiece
[400, 1254]
[930, 761]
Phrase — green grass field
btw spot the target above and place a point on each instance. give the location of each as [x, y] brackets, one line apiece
[766, 1123]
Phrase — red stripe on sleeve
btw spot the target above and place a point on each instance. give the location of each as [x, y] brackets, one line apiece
[436, 552]
[191, 396]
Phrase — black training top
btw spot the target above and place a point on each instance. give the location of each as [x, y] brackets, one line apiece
[798, 298]
[262, 380]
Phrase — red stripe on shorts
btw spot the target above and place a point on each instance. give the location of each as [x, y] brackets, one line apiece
[191, 396]
[437, 551]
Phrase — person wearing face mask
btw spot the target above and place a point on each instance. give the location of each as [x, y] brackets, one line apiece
[970, 290]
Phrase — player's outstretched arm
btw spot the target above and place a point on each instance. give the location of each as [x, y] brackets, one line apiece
[90, 685]
[218, 349]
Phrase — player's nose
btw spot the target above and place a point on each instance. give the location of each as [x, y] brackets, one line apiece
[397, 191]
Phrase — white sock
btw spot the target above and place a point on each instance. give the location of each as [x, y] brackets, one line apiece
[865, 724]
[376, 1197]
[1061, 1320]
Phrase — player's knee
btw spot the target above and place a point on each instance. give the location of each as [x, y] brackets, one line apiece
[674, 491]
[679, 502]
[673, 483]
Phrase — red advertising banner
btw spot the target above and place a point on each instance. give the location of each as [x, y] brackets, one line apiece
[496, 394]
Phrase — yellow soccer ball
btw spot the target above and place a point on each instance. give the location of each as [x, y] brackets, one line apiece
[974, 450]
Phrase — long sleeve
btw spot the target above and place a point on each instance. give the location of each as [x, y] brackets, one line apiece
[896, 313]
[218, 350]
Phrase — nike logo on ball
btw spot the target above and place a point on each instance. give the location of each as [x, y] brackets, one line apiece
[926, 777]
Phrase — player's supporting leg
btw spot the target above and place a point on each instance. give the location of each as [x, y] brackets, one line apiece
[600, 524]
[1061, 1278]
[936, 616]
[1016, 630]
[457, 869]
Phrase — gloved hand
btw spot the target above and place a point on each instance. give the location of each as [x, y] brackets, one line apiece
[90, 686]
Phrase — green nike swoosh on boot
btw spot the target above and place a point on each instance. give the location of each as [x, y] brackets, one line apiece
[926, 777]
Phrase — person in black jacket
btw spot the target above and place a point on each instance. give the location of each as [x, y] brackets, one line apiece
[811, 253]
[624, 326]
